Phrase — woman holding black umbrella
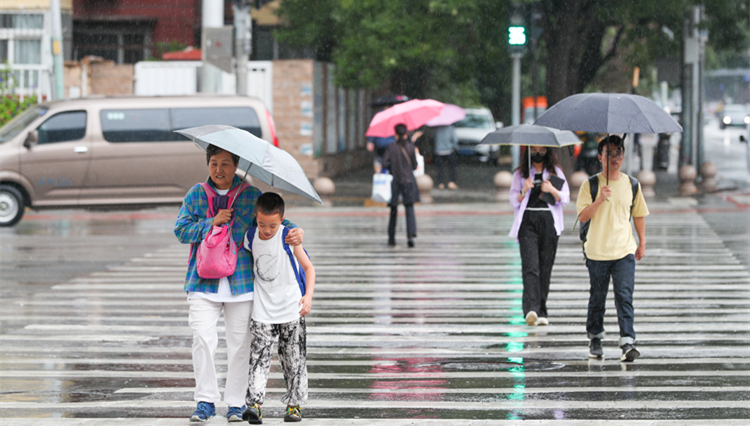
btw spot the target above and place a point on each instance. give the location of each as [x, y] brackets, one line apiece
[537, 224]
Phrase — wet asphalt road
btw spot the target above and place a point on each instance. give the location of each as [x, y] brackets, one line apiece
[94, 323]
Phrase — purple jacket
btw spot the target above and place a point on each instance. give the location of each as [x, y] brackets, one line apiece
[520, 208]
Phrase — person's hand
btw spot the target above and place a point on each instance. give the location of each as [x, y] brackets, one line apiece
[548, 187]
[305, 305]
[370, 146]
[294, 237]
[640, 252]
[527, 185]
[606, 192]
[224, 216]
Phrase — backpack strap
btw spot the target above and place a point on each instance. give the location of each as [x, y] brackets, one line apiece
[299, 273]
[634, 186]
[594, 186]
[210, 194]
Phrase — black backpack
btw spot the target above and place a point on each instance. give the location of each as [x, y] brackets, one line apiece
[583, 230]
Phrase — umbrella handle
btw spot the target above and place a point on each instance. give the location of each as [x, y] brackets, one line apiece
[238, 192]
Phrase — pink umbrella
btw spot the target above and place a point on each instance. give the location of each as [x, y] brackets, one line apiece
[449, 115]
[414, 114]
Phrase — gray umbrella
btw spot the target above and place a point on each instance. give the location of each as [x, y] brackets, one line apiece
[527, 134]
[608, 113]
[258, 158]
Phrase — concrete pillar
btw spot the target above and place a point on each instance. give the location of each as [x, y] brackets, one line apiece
[708, 171]
[502, 181]
[425, 184]
[647, 178]
[687, 175]
[574, 183]
[325, 188]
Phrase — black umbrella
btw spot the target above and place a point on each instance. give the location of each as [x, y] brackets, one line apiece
[527, 134]
[609, 113]
[388, 100]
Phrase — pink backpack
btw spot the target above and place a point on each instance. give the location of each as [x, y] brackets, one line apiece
[217, 253]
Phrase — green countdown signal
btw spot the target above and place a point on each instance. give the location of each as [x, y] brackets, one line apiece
[516, 36]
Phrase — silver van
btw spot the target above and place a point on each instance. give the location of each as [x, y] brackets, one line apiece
[112, 152]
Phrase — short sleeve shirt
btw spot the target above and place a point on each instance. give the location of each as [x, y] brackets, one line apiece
[610, 235]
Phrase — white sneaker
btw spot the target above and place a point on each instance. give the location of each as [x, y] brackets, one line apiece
[542, 321]
[531, 318]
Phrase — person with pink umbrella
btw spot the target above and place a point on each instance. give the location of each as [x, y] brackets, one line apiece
[400, 159]
[446, 142]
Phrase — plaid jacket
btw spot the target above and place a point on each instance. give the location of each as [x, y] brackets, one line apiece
[193, 224]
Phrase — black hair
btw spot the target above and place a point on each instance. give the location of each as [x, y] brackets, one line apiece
[212, 150]
[401, 132]
[549, 162]
[270, 203]
[611, 140]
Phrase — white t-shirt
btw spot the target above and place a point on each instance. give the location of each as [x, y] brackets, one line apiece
[277, 292]
[224, 294]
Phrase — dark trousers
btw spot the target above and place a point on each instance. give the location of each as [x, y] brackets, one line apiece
[451, 159]
[411, 222]
[622, 272]
[537, 239]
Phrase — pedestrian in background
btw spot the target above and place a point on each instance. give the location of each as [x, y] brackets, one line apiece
[537, 224]
[377, 146]
[400, 159]
[446, 144]
[610, 248]
[233, 295]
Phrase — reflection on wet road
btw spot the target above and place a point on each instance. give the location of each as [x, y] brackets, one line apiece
[425, 334]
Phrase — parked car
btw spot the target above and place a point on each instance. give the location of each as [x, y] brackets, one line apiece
[471, 130]
[114, 151]
[734, 115]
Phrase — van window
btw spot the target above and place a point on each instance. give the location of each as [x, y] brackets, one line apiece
[62, 127]
[19, 122]
[136, 125]
[243, 118]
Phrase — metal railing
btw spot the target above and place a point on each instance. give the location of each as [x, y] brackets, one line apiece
[28, 80]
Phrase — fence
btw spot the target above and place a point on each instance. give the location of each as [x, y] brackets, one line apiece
[28, 80]
[183, 77]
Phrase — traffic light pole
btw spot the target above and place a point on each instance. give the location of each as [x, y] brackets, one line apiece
[516, 104]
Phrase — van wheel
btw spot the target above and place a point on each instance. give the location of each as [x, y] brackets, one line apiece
[11, 205]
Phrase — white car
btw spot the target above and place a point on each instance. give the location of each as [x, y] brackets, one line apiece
[471, 130]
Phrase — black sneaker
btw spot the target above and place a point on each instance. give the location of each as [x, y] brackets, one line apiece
[253, 415]
[391, 242]
[595, 349]
[629, 353]
[292, 414]
[410, 243]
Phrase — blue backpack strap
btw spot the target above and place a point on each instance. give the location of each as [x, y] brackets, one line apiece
[249, 236]
[299, 273]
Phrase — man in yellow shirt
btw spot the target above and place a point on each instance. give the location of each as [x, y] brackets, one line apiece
[610, 248]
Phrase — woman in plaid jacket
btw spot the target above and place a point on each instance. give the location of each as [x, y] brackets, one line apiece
[234, 294]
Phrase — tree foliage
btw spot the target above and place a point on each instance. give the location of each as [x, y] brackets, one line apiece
[456, 50]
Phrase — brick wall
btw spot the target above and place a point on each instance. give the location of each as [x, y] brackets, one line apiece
[102, 78]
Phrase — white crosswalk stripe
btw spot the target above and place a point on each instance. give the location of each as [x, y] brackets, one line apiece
[435, 333]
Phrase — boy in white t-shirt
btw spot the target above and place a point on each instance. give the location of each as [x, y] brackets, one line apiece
[279, 311]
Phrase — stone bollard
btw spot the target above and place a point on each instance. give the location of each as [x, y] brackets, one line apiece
[576, 180]
[687, 175]
[708, 171]
[647, 178]
[425, 184]
[325, 188]
[502, 181]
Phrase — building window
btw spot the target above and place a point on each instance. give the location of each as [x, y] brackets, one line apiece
[28, 52]
[22, 21]
[3, 50]
[126, 44]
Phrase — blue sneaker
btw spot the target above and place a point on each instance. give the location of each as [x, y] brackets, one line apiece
[205, 411]
[234, 414]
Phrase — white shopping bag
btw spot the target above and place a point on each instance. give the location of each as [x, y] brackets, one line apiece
[381, 187]
[419, 171]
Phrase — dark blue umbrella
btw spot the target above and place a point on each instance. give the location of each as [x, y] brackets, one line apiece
[608, 113]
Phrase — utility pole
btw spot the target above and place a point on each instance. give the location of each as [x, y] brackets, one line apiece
[242, 42]
[212, 16]
[692, 136]
[57, 50]
[516, 45]
[630, 147]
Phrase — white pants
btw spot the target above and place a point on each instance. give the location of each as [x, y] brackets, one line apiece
[204, 315]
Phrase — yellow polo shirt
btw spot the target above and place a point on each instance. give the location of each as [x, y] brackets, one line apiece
[610, 234]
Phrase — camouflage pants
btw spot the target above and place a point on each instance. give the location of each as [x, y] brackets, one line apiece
[292, 355]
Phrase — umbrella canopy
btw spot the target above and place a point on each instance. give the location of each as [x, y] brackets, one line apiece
[258, 158]
[388, 100]
[450, 114]
[608, 113]
[527, 134]
[414, 114]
